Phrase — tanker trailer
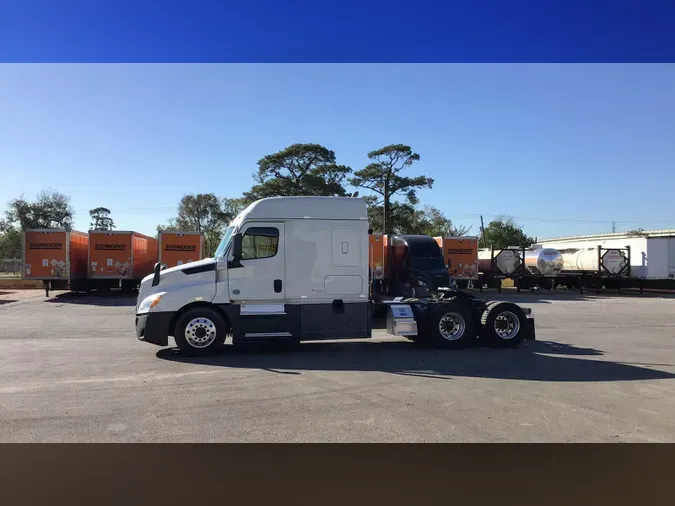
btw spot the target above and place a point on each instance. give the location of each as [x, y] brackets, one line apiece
[587, 267]
[497, 264]
[516, 263]
[584, 261]
[545, 262]
[507, 261]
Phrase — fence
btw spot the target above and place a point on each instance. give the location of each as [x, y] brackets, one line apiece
[10, 266]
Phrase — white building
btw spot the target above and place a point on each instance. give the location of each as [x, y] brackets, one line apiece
[652, 252]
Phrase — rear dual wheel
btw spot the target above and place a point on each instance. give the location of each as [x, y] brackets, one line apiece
[449, 326]
[503, 325]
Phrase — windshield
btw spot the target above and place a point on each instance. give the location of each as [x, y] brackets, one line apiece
[426, 256]
[224, 243]
[426, 250]
[428, 263]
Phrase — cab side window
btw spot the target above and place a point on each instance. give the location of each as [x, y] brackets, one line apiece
[259, 242]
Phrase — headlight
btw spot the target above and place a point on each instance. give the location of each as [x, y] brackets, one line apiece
[149, 302]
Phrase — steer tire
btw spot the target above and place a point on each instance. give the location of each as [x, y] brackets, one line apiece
[503, 325]
[448, 325]
[200, 332]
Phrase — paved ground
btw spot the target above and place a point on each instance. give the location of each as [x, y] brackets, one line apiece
[8, 295]
[603, 370]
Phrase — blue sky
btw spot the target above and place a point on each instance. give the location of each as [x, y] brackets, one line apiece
[564, 148]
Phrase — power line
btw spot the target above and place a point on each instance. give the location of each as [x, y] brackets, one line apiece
[561, 220]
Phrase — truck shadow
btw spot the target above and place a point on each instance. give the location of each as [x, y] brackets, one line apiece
[112, 298]
[534, 361]
[550, 296]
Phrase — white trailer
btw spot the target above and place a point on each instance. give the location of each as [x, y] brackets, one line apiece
[652, 255]
[296, 268]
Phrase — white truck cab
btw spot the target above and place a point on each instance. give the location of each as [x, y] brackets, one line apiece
[287, 267]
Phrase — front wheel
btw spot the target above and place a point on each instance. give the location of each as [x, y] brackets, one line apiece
[200, 331]
[503, 325]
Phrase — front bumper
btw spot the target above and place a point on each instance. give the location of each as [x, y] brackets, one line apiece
[154, 327]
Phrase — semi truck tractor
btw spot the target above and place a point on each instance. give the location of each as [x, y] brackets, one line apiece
[297, 269]
[417, 267]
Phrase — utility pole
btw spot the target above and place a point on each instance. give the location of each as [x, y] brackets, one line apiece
[614, 227]
[482, 231]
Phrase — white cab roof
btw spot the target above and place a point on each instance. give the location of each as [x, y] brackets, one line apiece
[318, 208]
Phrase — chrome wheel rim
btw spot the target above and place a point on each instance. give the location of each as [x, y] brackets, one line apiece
[451, 326]
[507, 325]
[200, 332]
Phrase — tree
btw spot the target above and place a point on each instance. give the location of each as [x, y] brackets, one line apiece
[503, 232]
[299, 169]
[169, 227]
[401, 216]
[382, 176]
[10, 241]
[51, 209]
[102, 219]
[232, 207]
[407, 219]
[431, 221]
[202, 212]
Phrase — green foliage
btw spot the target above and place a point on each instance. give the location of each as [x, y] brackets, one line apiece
[51, 209]
[10, 241]
[200, 213]
[232, 207]
[383, 177]
[203, 212]
[299, 169]
[408, 219]
[503, 232]
[311, 170]
[101, 219]
[401, 217]
[432, 222]
[638, 232]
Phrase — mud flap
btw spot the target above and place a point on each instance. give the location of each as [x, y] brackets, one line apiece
[531, 335]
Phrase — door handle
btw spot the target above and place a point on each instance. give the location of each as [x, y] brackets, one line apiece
[277, 286]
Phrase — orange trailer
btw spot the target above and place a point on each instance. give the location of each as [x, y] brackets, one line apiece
[120, 258]
[178, 248]
[377, 255]
[461, 256]
[56, 257]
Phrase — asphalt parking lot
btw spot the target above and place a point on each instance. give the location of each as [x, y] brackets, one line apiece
[602, 370]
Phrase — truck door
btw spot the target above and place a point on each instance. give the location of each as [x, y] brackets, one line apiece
[261, 276]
